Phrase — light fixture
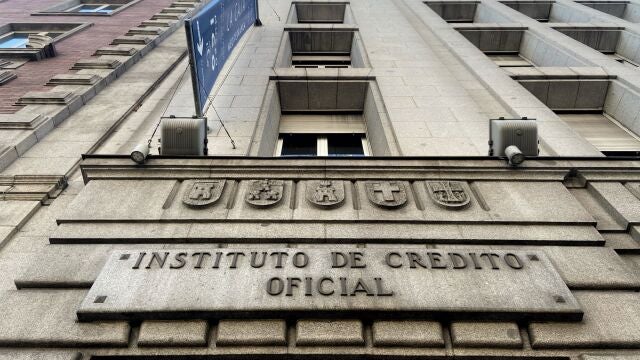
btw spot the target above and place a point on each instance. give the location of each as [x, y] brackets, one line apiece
[140, 153]
[513, 138]
[515, 156]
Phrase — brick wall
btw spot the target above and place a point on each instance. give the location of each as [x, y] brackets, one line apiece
[33, 75]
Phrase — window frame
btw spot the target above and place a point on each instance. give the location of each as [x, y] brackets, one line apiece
[100, 7]
[322, 145]
[66, 8]
[62, 29]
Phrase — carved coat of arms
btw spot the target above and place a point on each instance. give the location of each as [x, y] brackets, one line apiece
[325, 193]
[387, 194]
[265, 192]
[449, 194]
[202, 192]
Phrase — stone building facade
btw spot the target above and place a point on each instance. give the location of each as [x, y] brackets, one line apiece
[347, 208]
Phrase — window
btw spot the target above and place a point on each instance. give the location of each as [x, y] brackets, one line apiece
[88, 7]
[94, 8]
[14, 41]
[322, 49]
[20, 39]
[322, 145]
[322, 135]
[34, 40]
[605, 133]
[319, 13]
[321, 61]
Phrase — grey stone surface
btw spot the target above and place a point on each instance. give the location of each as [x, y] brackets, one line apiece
[533, 201]
[47, 318]
[617, 198]
[593, 268]
[16, 213]
[252, 333]
[123, 200]
[265, 289]
[39, 355]
[437, 91]
[407, 333]
[484, 334]
[611, 320]
[173, 333]
[329, 333]
[582, 267]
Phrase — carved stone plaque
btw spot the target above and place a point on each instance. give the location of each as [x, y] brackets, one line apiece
[449, 194]
[386, 194]
[258, 282]
[202, 192]
[264, 193]
[325, 193]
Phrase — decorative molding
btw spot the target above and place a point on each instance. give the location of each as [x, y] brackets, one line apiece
[116, 50]
[74, 79]
[131, 40]
[96, 63]
[6, 76]
[21, 120]
[47, 98]
[43, 188]
[61, 8]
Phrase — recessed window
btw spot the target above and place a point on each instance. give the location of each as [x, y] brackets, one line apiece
[319, 13]
[20, 39]
[322, 135]
[35, 40]
[94, 8]
[14, 41]
[338, 47]
[603, 132]
[321, 61]
[322, 145]
[88, 7]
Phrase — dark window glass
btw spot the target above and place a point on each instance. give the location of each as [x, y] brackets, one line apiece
[345, 145]
[299, 145]
[622, 153]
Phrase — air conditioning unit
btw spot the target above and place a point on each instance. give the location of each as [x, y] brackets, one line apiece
[183, 136]
[521, 133]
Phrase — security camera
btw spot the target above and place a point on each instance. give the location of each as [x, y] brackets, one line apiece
[513, 138]
[140, 153]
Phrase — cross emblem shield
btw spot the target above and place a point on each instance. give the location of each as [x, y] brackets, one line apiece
[264, 192]
[387, 194]
[200, 193]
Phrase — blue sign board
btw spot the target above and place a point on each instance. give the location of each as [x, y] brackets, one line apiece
[211, 36]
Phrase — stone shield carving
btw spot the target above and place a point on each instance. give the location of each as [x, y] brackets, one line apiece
[263, 193]
[200, 193]
[449, 194]
[386, 194]
[325, 193]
